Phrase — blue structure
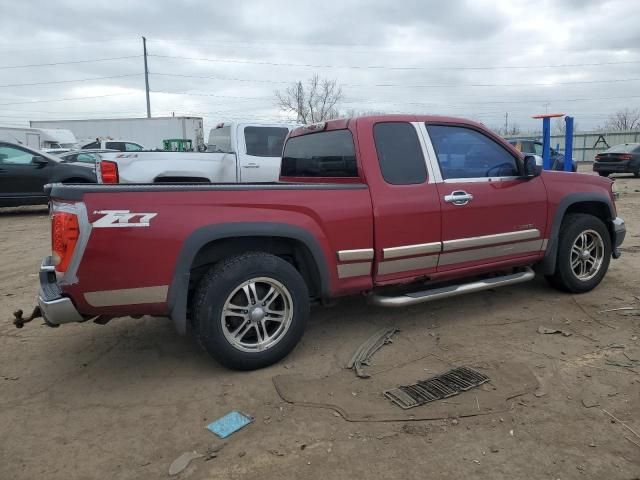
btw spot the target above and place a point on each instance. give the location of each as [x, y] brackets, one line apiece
[568, 144]
[546, 141]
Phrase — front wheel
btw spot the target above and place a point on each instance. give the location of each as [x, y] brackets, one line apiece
[603, 174]
[584, 252]
[250, 310]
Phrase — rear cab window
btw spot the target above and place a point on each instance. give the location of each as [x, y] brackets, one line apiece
[220, 140]
[326, 154]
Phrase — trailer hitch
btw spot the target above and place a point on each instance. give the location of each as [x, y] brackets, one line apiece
[19, 320]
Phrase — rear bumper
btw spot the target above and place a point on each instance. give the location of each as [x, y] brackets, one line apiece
[625, 166]
[619, 232]
[55, 308]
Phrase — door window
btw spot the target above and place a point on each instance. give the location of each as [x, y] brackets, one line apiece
[14, 156]
[91, 145]
[85, 158]
[132, 147]
[399, 153]
[466, 153]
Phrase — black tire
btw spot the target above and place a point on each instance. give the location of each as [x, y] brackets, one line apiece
[220, 282]
[636, 174]
[564, 277]
[604, 174]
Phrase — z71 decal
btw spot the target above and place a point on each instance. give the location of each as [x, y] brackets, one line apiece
[122, 218]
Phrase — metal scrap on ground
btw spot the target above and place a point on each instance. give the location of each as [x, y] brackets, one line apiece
[441, 386]
[363, 354]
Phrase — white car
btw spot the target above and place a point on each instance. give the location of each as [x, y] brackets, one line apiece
[110, 144]
[236, 153]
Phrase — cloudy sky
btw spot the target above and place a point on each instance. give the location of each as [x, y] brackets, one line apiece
[224, 60]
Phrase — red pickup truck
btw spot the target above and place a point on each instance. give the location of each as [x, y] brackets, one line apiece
[431, 206]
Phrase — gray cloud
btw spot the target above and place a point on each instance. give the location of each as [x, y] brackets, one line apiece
[432, 35]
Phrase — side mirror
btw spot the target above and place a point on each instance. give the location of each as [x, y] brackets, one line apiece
[40, 161]
[532, 165]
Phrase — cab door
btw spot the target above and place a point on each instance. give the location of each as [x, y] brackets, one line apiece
[20, 174]
[260, 154]
[491, 214]
[405, 200]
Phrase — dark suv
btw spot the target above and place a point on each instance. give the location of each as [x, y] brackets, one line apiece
[24, 173]
[623, 158]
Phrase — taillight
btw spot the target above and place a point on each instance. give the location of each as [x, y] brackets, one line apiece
[626, 156]
[109, 171]
[64, 236]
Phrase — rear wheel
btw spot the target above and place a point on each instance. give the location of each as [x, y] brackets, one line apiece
[604, 174]
[636, 173]
[250, 310]
[584, 252]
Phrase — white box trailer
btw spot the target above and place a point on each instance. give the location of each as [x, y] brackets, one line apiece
[149, 132]
[39, 138]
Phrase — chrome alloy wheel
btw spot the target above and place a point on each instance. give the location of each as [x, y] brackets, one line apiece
[587, 254]
[257, 314]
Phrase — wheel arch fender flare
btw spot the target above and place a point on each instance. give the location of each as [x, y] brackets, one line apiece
[179, 288]
[548, 264]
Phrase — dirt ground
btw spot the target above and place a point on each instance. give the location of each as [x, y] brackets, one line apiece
[126, 399]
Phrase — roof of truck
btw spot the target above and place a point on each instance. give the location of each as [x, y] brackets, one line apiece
[342, 123]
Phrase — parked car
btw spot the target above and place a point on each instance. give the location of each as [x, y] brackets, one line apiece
[534, 147]
[24, 172]
[236, 153]
[118, 145]
[362, 205]
[623, 158]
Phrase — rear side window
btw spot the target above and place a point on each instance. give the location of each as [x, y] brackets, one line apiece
[399, 153]
[115, 146]
[91, 145]
[132, 147]
[220, 140]
[265, 141]
[322, 154]
[466, 153]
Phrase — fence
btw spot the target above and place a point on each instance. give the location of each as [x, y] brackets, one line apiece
[587, 145]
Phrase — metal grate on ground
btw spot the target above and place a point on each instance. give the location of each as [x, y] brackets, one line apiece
[441, 386]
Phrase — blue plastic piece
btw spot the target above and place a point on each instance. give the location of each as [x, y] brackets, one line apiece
[568, 145]
[546, 143]
[230, 423]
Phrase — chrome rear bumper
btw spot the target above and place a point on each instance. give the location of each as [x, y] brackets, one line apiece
[55, 308]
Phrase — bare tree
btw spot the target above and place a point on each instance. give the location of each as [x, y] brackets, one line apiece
[626, 119]
[511, 130]
[560, 126]
[312, 102]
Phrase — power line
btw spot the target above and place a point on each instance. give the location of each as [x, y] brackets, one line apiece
[67, 99]
[384, 67]
[197, 94]
[398, 85]
[68, 81]
[6, 67]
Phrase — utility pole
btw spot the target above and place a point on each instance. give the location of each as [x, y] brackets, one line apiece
[506, 123]
[146, 76]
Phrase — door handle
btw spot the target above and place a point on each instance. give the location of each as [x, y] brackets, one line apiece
[458, 197]
[251, 165]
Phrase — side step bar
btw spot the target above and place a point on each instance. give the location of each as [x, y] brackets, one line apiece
[451, 291]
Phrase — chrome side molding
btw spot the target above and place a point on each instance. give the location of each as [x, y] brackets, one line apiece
[451, 291]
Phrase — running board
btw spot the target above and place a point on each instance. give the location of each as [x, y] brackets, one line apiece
[451, 291]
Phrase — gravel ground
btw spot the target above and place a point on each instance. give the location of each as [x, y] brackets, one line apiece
[126, 399]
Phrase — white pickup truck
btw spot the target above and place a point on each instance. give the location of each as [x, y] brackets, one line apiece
[236, 153]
